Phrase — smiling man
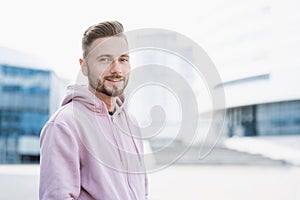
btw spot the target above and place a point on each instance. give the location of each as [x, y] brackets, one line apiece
[91, 148]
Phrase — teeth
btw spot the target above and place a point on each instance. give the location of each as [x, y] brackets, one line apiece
[114, 80]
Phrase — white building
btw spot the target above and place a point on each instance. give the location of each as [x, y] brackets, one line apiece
[255, 47]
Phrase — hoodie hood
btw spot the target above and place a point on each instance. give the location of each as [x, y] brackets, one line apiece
[82, 94]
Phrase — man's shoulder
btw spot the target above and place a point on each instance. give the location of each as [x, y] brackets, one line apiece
[68, 113]
[64, 113]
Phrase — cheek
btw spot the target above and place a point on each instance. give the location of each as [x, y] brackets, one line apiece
[127, 69]
[96, 72]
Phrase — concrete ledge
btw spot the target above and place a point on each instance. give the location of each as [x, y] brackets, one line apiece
[285, 148]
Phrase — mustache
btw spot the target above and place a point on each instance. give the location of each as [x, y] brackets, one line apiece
[114, 77]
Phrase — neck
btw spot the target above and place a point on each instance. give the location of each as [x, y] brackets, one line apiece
[109, 101]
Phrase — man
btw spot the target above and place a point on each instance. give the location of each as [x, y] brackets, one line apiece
[91, 148]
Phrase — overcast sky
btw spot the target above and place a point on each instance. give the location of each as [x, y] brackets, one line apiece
[51, 30]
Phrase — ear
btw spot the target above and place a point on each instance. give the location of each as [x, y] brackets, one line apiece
[83, 65]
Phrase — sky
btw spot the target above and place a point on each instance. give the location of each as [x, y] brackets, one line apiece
[52, 30]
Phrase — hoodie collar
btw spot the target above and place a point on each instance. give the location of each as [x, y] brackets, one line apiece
[81, 93]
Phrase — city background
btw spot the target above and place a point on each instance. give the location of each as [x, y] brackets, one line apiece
[254, 46]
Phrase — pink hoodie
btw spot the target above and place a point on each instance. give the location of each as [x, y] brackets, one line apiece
[88, 154]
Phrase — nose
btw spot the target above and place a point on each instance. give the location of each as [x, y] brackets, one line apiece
[115, 67]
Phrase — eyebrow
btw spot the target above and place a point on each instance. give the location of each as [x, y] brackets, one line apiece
[104, 55]
[124, 55]
[111, 56]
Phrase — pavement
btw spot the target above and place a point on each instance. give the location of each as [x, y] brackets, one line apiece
[261, 168]
[225, 182]
[19, 182]
[177, 182]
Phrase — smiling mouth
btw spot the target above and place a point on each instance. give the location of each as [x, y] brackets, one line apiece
[114, 79]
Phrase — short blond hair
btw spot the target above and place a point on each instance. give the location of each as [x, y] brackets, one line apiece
[100, 30]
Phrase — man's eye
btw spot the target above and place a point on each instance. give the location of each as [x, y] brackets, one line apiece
[124, 59]
[105, 60]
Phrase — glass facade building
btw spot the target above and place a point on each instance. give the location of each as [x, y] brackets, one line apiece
[276, 118]
[24, 109]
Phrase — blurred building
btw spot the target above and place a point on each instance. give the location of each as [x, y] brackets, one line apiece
[161, 86]
[277, 117]
[29, 94]
[255, 46]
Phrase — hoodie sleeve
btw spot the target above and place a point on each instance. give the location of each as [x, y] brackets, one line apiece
[60, 163]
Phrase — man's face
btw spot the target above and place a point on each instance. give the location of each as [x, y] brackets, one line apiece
[107, 65]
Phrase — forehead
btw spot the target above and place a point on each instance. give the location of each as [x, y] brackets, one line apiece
[114, 46]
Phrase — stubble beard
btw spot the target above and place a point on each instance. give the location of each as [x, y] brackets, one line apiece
[113, 91]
